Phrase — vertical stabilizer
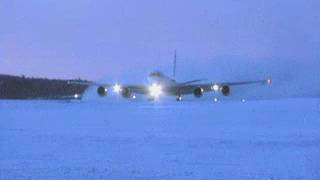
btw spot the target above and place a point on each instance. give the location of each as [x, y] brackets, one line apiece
[174, 65]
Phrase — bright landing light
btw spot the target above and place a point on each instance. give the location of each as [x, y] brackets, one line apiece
[76, 96]
[116, 88]
[269, 81]
[215, 87]
[155, 90]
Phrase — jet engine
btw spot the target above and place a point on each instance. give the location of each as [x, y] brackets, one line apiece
[225, 90]
[102, 91]
[125, 92]
[198, 92]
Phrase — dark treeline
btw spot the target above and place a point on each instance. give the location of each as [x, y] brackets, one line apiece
[16, 87]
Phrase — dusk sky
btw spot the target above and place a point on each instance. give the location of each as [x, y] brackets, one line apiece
[105, 39]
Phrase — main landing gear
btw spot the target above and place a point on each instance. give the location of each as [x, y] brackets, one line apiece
[179, 98]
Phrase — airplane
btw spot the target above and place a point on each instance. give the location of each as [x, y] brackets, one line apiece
[163, 85]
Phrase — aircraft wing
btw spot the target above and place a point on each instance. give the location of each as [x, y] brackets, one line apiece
[188, 87]
[224, 87]
[137, 89]
[104, 87]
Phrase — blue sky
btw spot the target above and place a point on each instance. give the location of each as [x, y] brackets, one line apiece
[104, 39]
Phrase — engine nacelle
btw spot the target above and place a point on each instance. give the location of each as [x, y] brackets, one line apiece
[102, 91]
[126, 93]
[225, 90]
[198, 92]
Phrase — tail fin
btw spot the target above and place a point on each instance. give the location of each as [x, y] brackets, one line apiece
[174, 65]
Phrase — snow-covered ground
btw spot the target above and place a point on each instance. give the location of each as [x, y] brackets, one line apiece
[255, 140]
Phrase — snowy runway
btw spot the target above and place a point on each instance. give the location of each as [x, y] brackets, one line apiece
[143, 140]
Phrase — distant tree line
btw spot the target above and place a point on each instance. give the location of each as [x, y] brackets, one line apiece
[21, 87]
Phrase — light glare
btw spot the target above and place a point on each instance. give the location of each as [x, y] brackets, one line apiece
[215, 87]
[76, 96]
[155, 90]
[269, 81]
[116, 88]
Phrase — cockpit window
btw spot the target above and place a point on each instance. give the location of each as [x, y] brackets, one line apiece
[156, 74]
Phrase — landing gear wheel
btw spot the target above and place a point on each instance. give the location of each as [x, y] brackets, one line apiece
[179, 98]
